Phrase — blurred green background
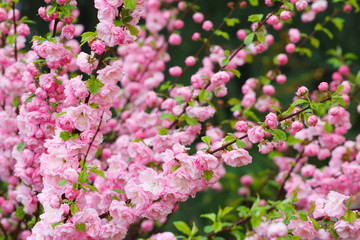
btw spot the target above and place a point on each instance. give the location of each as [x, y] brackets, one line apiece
[300, 71]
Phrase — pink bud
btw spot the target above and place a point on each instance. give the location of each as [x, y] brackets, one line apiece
[207, 25]
[246, 180]
[175, 39]
[323, 86]
[282, 59]
[297, 126]
[198, 17]
[337, 77]
[179, 24]
[344, 70]
[241, 34]
[175, 71]
[268, 90]
[285, 15]
[196, 36]
[281, 78]
[290, 48]
[313, 120]
[243, 191]
[190, 61]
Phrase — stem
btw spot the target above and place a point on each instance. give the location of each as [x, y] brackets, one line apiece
[95, 74]
[14, 22]
[288, 175]
[55, 27]
[92, 140]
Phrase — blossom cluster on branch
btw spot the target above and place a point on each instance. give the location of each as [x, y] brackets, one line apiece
[97, 145]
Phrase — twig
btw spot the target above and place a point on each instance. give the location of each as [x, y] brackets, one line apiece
[55, 27]
[92, 140]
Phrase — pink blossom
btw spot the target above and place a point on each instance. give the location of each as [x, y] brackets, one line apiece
[256, 134]
[346, 230]
[237, 158]
[207, 25]
[198, 17]
[334, 205]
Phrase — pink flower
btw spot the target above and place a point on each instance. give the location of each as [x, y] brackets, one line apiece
[265, 147]
[297, 126]
[83, 116]
[121, 213]
[204, 161]
[304, 229]
[65, 123]
[241, 126]
[68, 31]
[256, 134]
[237, 158]
[294, 35]
[282, 59]
[277, 230]
[246, 180]
[334, 205]
[220, 78]
[346, 230]
[323, 86]
[271, 120]
[98, 47]
[163, 236]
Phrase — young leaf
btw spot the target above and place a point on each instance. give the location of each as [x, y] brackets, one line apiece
[64, 135]
[130, 4]
[80, 227]
[98, 172]
[63, 182]
[183, 227]
[249, 38]
[206, 139]
[94, 85]
[208, 175]
[19, 213]
[20, 146]
[279, 134]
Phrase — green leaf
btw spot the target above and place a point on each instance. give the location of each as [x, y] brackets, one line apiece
[225, 61]
[19, 213]
[261, 37]
[51, 10]
[312, 208]
[74, 208]
[208, 175]
[56, 224]
[211, 216]
[118, 191]
[15, 101]
[130, 4]
[230, 22]
[87, 36]
[64, 135]
[194, 229]
[206, 139]
[235, 72]
[168, 116]
[222, 34]
[328, 127]
[98, 172]
[275, 108]
[93, 105]
[94, 85]
[255, 17]
[93, 188]
[303, 216]
[249, 38]
[339, 89]
[315, 223]
[299, 101]
[327, 32]
[174, 168]
[82, 176]
[332, 231]
[204, 95]
[80, 227]
[63, 182]
[350, 216]
[59, 114]
[240, 143]
[163, 131]
[20, 146]
[315, 42]
[191, 121]
[183, 227]
[228, 139]
[289, 5]
[338, 22]
[279, 134]
[30, 98]
[254, 3]
[340, 100]
[133, 30]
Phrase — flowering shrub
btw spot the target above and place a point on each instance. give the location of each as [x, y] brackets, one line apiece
[97, 145]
